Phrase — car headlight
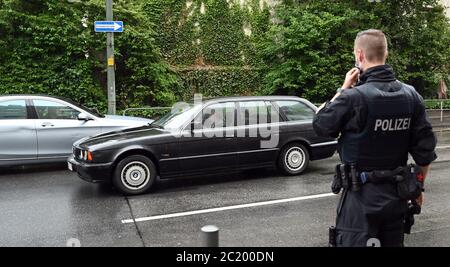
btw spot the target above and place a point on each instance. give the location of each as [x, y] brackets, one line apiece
[85, 155]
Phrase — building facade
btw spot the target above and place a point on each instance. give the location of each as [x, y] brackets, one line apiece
[446, 3]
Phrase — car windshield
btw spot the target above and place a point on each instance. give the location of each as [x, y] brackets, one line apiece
[177, 117]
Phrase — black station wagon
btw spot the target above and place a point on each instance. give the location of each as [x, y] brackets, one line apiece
[215, 135]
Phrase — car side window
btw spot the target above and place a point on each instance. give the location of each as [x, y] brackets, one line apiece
[50, 110]
[13, 110]
[218, 115]
[295, 110]
[253, 112]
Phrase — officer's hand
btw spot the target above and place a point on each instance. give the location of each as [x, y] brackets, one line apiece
[351, 78]
[419, 200]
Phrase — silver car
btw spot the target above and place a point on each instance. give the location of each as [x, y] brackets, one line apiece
[37, 129]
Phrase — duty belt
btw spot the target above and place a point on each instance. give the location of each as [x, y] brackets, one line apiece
[382, 176]
[348, 177]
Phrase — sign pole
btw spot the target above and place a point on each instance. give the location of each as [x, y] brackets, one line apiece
[110, 61]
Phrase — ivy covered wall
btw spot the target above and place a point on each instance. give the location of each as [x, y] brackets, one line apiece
[50, 47]
[213, 44]
[304, 48]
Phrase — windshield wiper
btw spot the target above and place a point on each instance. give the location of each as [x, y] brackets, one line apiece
[156, 125]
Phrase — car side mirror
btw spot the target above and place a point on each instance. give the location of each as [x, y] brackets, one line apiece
[83, 117]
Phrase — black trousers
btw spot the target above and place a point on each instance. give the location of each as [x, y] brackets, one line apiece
[375, 211]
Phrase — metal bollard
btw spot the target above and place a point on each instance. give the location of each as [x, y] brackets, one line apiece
[210, 236]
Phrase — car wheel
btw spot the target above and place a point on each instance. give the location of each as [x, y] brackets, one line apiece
[134, 175]
[294, 159]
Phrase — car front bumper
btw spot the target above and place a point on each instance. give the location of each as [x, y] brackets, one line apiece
[91, 172]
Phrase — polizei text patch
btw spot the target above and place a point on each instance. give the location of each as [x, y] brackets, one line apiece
[389, 125]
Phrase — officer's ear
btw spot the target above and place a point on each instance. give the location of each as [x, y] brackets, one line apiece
[359, 54]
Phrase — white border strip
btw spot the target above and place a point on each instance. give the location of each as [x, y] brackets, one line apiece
[324, 144]
[442, 147]
[256, 204]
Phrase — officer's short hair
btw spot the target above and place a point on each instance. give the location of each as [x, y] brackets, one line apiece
[373, 43]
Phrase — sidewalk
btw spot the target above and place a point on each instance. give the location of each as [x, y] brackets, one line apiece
[443, 136]
[443, 146]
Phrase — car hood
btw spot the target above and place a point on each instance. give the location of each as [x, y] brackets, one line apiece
[125, 135]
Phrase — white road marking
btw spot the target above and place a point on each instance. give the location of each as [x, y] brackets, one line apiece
[256, 204]
[442, 147]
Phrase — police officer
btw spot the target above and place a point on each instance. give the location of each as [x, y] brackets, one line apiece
[378, 120]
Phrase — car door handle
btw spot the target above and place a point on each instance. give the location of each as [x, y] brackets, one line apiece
[47, 124]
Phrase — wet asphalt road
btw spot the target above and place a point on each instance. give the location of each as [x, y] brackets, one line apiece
[47, 206]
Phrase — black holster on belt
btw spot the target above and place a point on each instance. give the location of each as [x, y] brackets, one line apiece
[336, 185]
[408, 187]
[346, 177]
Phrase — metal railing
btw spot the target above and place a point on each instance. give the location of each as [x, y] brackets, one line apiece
[438, 111]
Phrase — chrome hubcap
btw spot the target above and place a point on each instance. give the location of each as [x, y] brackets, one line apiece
[135, 175]
[295, 159]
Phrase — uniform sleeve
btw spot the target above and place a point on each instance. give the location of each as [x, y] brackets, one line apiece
[423, 139]
[329, 121]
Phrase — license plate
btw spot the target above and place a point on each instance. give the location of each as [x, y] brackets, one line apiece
[69, 165]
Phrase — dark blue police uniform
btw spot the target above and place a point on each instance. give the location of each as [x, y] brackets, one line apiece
[378, 123]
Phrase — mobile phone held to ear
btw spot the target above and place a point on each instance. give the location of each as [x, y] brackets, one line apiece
[358, 67]
[359, 70]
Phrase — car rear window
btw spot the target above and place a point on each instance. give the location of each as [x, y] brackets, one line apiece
[295, 110]
[253, 112]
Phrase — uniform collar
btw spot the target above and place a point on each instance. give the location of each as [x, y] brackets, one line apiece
[381, 73]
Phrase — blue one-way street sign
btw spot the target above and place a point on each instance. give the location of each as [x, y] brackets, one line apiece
[108, 26]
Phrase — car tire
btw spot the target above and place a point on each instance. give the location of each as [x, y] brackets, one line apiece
[134, 175]
[293, 159]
